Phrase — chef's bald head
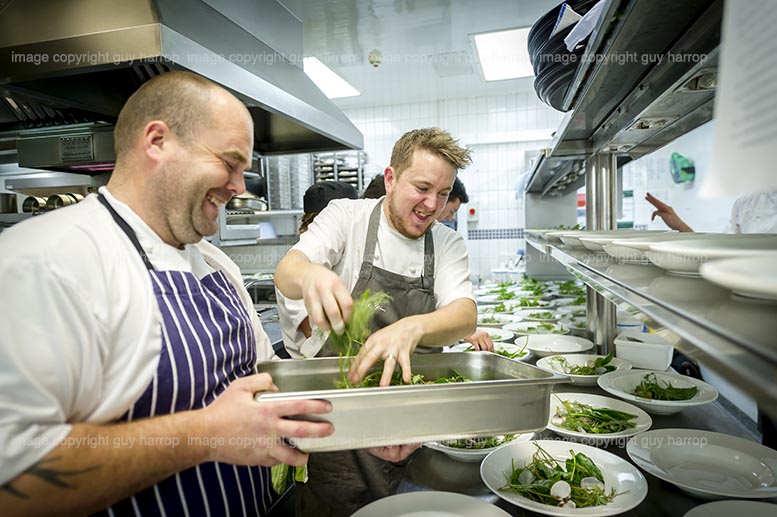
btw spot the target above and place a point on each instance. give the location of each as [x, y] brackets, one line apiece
[179, 99]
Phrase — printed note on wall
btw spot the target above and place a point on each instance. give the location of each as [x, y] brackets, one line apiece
[745, 159]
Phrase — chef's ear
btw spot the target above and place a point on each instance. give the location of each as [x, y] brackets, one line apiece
[389, 178]
[155, 139]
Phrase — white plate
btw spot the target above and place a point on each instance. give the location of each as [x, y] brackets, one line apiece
[618, 474]
[685, 256]
[622, 384]
[642, 420]
[706, 464]
[562, 302]
[632, 249]
[575, 310]
[597, 242]
[534, 315]
[430, 504]
[502, 318]
[471, 455]
[553, 344]
[549, 365]
[754, 277]
[498, 334]
[499, 346]
[573, 239]
[533, 328]
[729, 508]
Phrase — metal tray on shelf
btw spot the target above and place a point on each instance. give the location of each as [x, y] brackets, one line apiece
[505, 396]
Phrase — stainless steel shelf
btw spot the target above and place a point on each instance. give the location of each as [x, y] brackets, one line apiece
[637, 86]
[735, 336]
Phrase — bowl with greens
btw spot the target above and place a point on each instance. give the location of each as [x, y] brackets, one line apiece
[554, 344]
[477, 448]
[528, 328]
[496, 319]
[541, 315]
[508, 350]
[583, 369]
[657, 392]
[594, 419]
[562, 478]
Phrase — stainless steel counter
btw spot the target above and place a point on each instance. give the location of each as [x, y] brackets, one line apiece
[433, 470]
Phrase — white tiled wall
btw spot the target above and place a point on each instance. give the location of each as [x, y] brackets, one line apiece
[498, 129]
[651, 173]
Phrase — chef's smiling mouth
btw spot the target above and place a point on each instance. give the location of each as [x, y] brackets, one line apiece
[216, 201]
[421, 215]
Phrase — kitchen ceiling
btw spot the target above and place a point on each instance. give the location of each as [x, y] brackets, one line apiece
[426, 45]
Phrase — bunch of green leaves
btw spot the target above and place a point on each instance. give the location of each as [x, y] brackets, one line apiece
[529, 302]
[546, 471]
[576, 416]
[357, 330]
[373, 380]
[506, 295]
[504, 285]
[481, 443]
[571, 228]
[499, 308]
[652, 387]
[598, 367]
[545, 315]
[503, 352]
[489, 319]
[580, 300]
[543, 328]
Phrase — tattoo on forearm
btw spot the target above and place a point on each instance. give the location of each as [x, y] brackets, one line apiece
[51, 475]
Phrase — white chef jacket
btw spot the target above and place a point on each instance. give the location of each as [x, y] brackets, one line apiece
[754, 213]
[290, 314]
[83, 332]
[336, 239]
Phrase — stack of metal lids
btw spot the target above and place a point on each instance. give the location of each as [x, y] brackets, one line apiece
[555, 66]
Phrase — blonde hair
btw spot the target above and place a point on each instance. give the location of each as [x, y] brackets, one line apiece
[180, 99]
[432, 139]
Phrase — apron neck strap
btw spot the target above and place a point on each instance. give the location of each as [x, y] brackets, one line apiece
[128, 231]
[372, 239]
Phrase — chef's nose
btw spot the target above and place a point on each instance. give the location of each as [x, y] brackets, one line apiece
[236, 184]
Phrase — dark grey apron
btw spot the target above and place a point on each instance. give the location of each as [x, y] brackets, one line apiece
[342, 482]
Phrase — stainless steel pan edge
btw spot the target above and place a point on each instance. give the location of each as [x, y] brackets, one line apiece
[375, 417]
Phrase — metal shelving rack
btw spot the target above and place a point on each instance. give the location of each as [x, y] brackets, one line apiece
[621, 112]
[346, 166]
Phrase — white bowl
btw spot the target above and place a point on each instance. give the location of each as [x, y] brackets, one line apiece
[618, 474]
[469, 455]
[575, 310]
[554, 344]
[632, 249]
[535, 328]
[642, 421]
[644, 350]
[737, 274]
[429, 503]
[535, 315]
[549, 364]
[501, 319]
[728, 508]
[706, 464]
[622, 384]
[498, 334]
[499, 346]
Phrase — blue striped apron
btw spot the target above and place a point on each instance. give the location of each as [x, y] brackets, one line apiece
[207, 342]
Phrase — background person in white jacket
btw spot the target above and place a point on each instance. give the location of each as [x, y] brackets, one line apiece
[299, 339]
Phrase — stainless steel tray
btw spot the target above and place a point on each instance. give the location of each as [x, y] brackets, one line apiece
[505, 396]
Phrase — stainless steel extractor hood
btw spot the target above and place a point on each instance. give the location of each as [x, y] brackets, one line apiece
[74, 62]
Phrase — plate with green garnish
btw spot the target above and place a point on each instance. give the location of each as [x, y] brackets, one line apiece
[657, 392]
[582, 369]
[477, 448]
[562, 478]
[594, 419]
